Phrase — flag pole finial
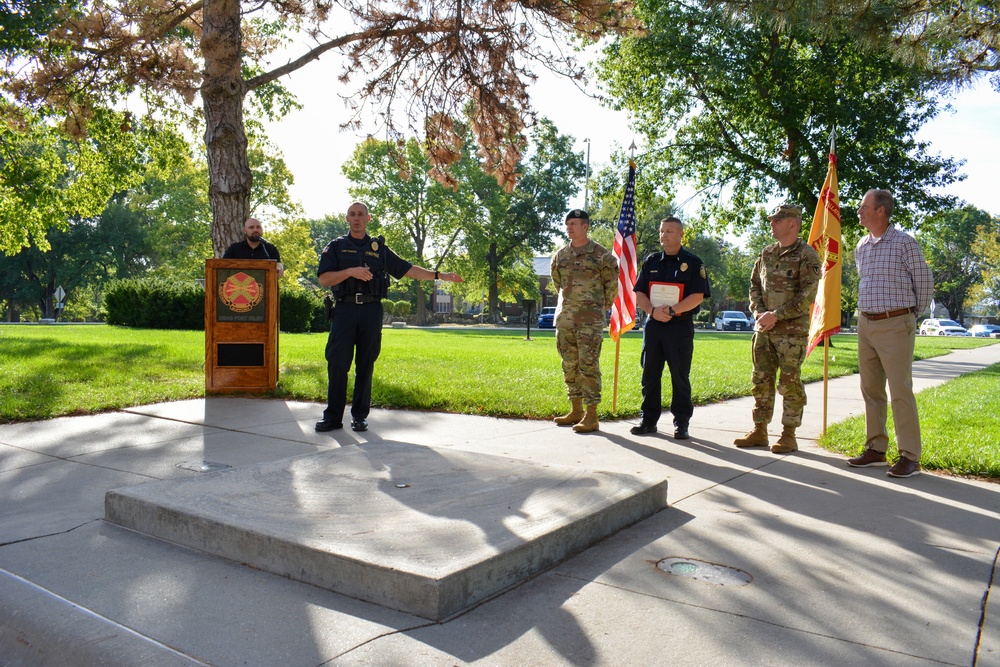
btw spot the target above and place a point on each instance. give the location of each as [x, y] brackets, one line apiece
[833, 141]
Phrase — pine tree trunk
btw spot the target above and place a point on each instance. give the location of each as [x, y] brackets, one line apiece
[222, 94]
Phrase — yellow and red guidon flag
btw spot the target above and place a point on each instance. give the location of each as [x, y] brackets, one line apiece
[623, 311]
[825, 238]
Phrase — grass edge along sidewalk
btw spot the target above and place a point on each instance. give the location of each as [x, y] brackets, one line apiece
[960, 427]
[53, 371]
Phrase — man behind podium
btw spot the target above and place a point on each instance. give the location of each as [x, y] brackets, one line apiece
[253, 246]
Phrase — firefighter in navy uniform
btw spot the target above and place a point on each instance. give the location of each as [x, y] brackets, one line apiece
[668, 336]
[358, 267]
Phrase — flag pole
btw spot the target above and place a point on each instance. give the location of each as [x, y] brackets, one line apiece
[618, 341]
[826, 238]
[826, 340]
[826, 375]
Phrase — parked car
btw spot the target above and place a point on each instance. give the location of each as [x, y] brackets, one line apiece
[733, 320]
[547, 318]
[985, 330]
[934, 327]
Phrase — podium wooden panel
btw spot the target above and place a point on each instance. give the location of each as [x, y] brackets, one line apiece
[241, 326]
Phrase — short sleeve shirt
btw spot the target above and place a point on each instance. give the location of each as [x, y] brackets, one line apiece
[684, 268]
[346, 251]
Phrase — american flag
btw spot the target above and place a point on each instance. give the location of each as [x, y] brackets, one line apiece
[623, 312]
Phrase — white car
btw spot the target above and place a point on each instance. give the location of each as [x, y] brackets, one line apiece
[733, 320]
[934, 327]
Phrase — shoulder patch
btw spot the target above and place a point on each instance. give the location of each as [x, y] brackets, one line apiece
[702, 271]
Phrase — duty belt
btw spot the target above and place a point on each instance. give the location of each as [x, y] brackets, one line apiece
[358, 298]
[891, 313]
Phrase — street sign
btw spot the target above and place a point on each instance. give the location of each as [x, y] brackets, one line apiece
[59, 294]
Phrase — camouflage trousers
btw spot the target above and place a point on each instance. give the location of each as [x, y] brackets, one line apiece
[774, 353]
[580, 349]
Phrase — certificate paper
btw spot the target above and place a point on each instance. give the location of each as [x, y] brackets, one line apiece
[665, 294]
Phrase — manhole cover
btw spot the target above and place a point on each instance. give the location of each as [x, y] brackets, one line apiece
[203, 466]
[704, 571]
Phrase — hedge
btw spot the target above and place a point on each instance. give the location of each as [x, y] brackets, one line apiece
[153, 303]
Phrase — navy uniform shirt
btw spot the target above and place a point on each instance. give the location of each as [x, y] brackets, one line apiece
[684, 268]
[347, 251]
[242, 250]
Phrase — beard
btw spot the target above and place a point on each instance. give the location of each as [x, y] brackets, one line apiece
[254, 237]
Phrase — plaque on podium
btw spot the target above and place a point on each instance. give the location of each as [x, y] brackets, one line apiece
[241, 326]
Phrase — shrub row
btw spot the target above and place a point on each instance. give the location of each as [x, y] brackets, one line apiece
[151, 303]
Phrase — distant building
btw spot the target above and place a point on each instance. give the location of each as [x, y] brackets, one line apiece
[542, 266]
[443, 303]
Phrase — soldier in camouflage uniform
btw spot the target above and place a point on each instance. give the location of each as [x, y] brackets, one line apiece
[782, 290]
[586, 276]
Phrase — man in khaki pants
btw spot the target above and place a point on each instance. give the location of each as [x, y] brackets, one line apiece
[895, 284]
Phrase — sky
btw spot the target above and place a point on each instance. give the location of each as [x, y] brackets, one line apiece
[314, 147]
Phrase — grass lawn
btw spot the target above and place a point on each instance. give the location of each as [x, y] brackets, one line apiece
[960, 426]
[49, 371]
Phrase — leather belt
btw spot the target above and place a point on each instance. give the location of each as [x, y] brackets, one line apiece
[358, 298]
[891, 313]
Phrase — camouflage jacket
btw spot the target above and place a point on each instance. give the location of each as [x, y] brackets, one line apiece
[784, 281]
[587, 281]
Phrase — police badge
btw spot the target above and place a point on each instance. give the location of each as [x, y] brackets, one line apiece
[684, 266]
[375, 246]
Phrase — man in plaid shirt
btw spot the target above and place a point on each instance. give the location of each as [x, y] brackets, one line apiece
[895, 285]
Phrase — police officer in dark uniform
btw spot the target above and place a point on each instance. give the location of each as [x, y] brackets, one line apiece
[670, 288]
[253, 246]
[358, 267]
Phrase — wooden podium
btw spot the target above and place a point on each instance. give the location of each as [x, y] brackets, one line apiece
[241, 326]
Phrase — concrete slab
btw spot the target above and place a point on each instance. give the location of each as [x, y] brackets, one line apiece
[211, 609]
[72, 436]
[229, 412]
[424, 530]
[826, 546]
[42, 628]
[231, 448]
[12, 458]
[564, 620]
[989, 639]
[54, 497]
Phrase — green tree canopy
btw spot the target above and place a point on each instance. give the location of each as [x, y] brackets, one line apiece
[987, 247]
[948, 240]
[952, 41]
[46, 179]
[504, 229]
[420, 217]
[413, 62]
[744, 113]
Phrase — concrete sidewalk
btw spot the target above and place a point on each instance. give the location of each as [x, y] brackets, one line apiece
[846, 567]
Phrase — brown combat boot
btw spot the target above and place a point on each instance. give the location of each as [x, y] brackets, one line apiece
[786, 443]
[589, 422]
[755, 438]
[574, 415]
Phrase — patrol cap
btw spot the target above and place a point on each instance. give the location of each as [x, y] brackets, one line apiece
[577, 213]
[785, 211]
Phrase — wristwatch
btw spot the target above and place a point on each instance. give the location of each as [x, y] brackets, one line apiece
[670, 310]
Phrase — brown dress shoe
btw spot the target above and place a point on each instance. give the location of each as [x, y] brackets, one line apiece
[904, 467]
[869, 458]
